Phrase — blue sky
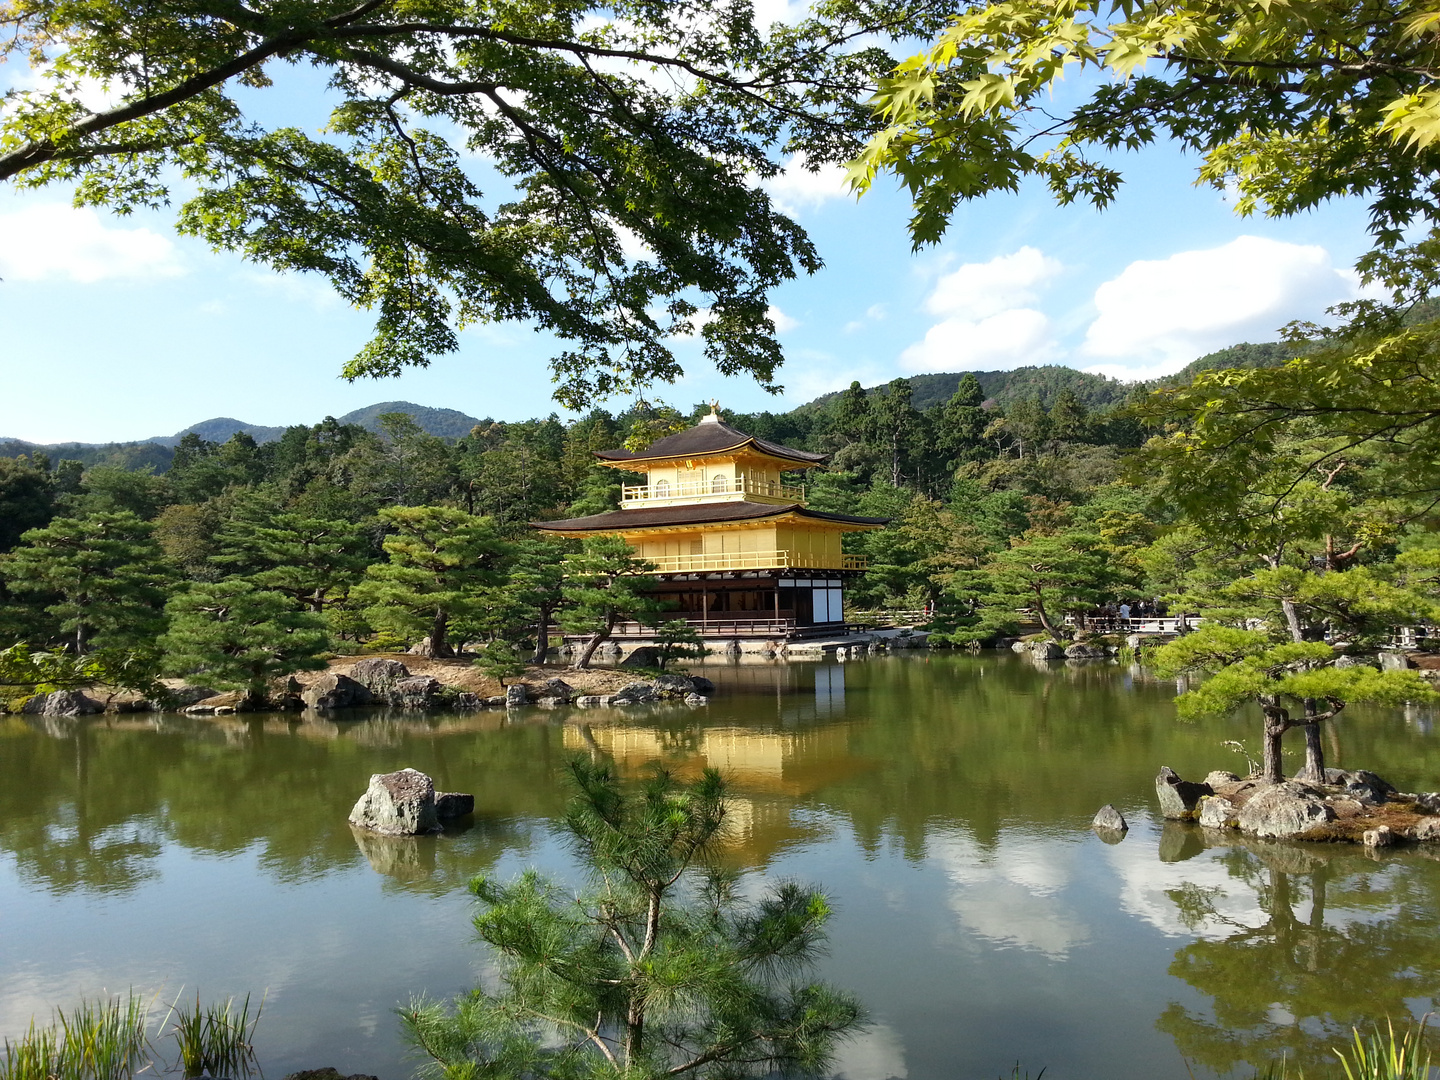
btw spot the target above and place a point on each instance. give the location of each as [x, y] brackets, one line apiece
[117, 328]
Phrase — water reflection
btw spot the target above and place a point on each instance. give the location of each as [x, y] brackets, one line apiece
[1296, 946]
[943, 801]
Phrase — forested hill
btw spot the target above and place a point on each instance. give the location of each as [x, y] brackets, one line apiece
[158, 451]
[1002, 388]
[1094, 391]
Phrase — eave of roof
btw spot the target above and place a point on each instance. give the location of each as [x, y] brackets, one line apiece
[701, 514]
[707, 439]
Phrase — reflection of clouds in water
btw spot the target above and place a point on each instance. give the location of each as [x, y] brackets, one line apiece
[1146, 882]
[1012, 894]
[875, 1054]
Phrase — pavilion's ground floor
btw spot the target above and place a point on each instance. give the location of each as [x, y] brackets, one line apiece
[756, 603]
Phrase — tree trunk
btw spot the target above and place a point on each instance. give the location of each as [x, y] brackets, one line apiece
[1277, 722]
[439, 631]
[1292, 621]
[1045, 618]
[594, 643]
[542, 634]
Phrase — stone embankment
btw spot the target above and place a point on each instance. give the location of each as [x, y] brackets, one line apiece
[387, 682]
[1355, 806]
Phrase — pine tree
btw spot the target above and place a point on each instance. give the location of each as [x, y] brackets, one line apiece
[500, 661]
[314, 561]
[662, 969]
[236, 636]
[605, 585]
[102, 576]
[440, 560]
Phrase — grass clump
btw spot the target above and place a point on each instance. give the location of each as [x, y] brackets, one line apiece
[218, 1039]
[97, 1040]
[1387, 1055]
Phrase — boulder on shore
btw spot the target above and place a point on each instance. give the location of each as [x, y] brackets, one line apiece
[1283, 810]
[646, 656]
[1217, 812]
[1179, 798]
[398, 804]
[379, 675]
[332, 691]
[62, 703]
[416, 692]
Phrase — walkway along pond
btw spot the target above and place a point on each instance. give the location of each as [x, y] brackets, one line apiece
[943, 801]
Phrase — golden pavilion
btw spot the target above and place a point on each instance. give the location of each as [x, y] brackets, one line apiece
[735, 548]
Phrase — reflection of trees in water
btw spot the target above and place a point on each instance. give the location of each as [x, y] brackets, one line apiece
[92, 808]
[1346, 942]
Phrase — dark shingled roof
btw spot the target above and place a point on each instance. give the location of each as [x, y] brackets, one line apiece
[709, 437]
[703, 514]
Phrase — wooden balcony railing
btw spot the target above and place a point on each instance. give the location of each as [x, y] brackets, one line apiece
[753, 560]
[709, 491]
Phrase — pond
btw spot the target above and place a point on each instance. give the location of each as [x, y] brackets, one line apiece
[942, 800]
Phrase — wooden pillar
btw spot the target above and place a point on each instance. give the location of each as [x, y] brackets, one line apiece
[777, 603]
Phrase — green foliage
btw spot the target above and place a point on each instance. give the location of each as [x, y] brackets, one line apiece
[606, 584]
[97, 1040]
[439, 561]
[1387, 1056]
[676, 639]
[500, 661]
[27, 499]
[41, 672]
[234, 635]
[216, 1039]
[102, 577]
[381, 202]
[1053, 575]
[660, 968]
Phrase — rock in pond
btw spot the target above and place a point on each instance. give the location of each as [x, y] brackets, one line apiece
[62, 703]
[516, 695]
[1109, 820]
[1217, 812]
[1080, 651]
[333, 691]
[398, 804]
[702, 685]
[453, 804]
[1380, 836]
[328, 1073]
[1283, 810]
[1179, 798]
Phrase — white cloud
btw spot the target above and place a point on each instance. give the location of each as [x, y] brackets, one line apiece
[986, 321]
[978, 290]
[874, 313]
[798, 188]
[1158, 315]
[1014, 893]
[783, 323]
[1005, 340]
[53, 240]
[877, 1053]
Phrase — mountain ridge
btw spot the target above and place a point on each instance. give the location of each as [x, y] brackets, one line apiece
[930, 389]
